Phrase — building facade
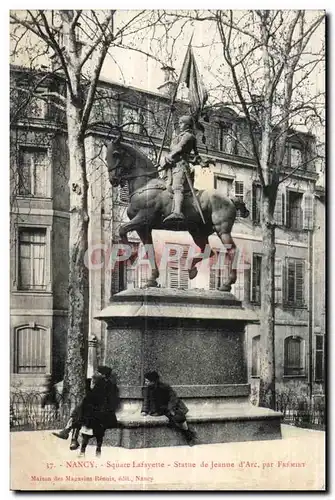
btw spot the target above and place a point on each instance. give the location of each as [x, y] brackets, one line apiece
[40, 229]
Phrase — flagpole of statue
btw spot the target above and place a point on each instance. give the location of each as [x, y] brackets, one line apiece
[189, 74]
[174, 96]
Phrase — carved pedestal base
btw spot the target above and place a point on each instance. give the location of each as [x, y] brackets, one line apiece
[195, 340]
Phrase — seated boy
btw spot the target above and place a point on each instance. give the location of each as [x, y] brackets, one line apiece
[161, 399]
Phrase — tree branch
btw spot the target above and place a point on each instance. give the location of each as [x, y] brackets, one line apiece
[94, 81]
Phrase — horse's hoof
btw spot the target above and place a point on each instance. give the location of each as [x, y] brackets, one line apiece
[192, 273]
[225, 288]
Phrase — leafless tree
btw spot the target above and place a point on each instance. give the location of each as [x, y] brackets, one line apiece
[73, 44]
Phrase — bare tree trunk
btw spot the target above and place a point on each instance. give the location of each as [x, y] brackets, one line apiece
[76, 354]
[267, 321]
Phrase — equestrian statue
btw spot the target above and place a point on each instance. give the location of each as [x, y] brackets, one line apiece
[172, 203]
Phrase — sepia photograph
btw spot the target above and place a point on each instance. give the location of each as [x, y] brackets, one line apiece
[167, 250]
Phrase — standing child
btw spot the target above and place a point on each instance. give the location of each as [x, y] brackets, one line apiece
[160, 399]
[95, 414]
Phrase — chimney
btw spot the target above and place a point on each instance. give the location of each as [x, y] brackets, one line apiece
[169, 86]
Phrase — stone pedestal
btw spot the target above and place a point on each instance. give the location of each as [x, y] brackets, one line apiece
[195, 339]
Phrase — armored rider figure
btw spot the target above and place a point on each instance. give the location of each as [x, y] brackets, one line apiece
[178, 161]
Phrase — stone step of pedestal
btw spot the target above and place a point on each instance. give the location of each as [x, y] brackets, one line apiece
[232, 425]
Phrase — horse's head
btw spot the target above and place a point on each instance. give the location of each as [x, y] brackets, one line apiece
[117, 162]
[125, 161]
[241, 209]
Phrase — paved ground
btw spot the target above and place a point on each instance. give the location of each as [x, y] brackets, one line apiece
[39, 461]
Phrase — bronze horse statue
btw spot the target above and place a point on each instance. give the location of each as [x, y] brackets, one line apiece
[151, 202]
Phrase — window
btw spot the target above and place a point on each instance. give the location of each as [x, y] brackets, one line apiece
[294, 218]
[30, 350]
[238, 287]
[239, 190]
[137, 276]
[256, 278]
[295, 282]
[319, 358]
[131, 114]
[118, 277]
[123, 193]
[212, 136]
[38, 106]
[219, 270]
[255, 356]
[256, 203]
[105, 108]
[286, 156]
[294, 356]
[244, 145]
[125, 276]
[177, 272]
[223, 184]
[32, 170]
[296, 157]
[32, 246]
[226, 138]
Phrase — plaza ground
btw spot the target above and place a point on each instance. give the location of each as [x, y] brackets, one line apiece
[40, 461]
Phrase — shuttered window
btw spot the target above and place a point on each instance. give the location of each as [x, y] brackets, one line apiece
[278, 214]
[294, 212]
[256, 275]
[295, 282]
[123, 193]
[32, 246]
[32, 172]
[177, 273]
[319, 358]
[278, 281]
[308, 210]
[294, 356]
[256, 278]
[256, 203]
[239, 190]
[219, 270]
[255, 356]
[30, 350]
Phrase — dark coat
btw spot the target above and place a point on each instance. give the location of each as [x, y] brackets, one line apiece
[162, 399]
[99, 406]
